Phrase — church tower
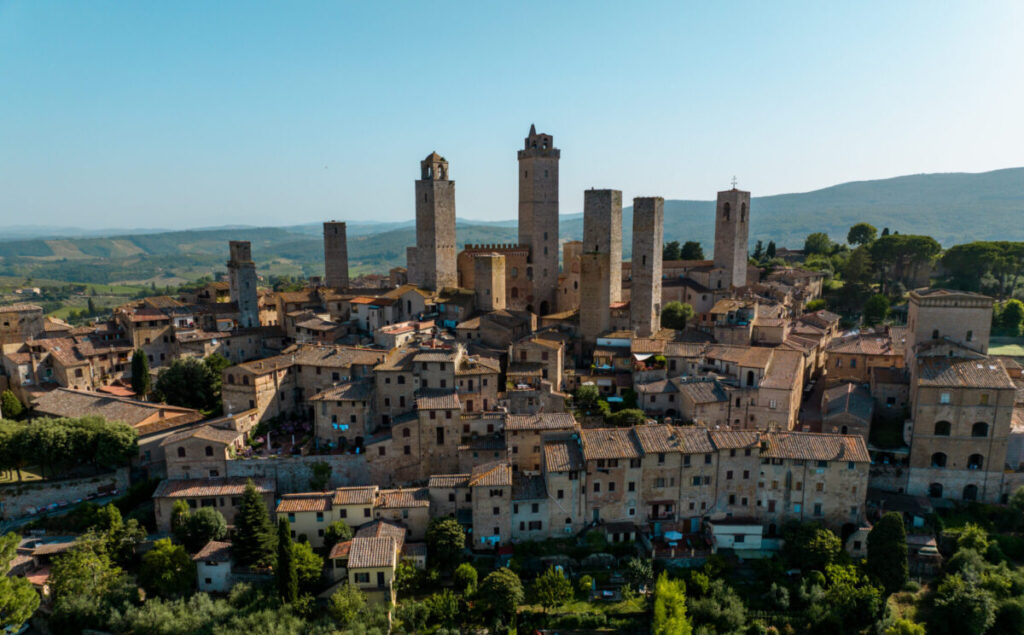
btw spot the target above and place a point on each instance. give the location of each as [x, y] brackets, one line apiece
[538, 217]
[732, 234]
[431, 263]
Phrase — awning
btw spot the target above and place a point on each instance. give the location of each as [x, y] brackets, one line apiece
[642, 356]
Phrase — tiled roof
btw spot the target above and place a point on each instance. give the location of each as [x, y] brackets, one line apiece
[434, 356]
[528, 487]
[638, 345]
[746, 356]
[863, 344]
[656, 387]
[695, 439]
[703, 391]
[206, 433]
[437, 399]
[889, 375]
[407, 497]
[563, 456]
[349, 391]
[943, 372]
[785, 368]
[214, 551]
[311, 502]
[367, 553]
[382, 529]
[64, 402]
[21, 307]
[814, 447]
[448, 480]
[493, 474]
[200, 487]
[658, 439]
[848, 398]
[730, 439]
[610, 443]
[340, 550]
[360, 495]
[541, 421]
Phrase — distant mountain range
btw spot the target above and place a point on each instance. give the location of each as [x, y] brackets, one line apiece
[953, 208]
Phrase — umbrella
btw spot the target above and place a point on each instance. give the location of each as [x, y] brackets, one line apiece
[673, 535]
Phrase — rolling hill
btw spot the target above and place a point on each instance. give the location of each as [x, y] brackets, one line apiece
[953, 208]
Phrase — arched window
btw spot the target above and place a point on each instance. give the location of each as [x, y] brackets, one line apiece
[515, 292]
[942, 428]
[935, 490]
[743, 212]
[974, 462]
[979, 429]
[939, 459]
[245, 380]
[935, 334]
[181, 452]
[726, 211]
[971, 492]
[231, 378]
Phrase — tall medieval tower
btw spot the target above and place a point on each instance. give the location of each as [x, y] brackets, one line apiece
[732, 233]
[489, 281]
[242, 283]
[431, 263]
[538, 216]
[335, 255]
[648, 240]
[602, 233]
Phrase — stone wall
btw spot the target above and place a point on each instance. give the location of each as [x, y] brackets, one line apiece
[16, 499]
[292, 473]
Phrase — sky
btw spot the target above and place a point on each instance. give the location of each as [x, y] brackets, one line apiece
[195, 113]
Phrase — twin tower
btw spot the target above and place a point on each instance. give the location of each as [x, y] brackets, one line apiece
[432, 262]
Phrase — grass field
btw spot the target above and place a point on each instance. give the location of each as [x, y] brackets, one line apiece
[8, 477]
[1010, 346]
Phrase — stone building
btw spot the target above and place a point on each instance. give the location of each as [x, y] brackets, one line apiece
[941, 315]
[538, 217]
[525, 434]
[595, 296]
[20, 322]
[518, 287]
[431, 263]
[732, 231]
[569, 280]
[201, 452]
[489, 281]
[491, 491]
[648, 240]
[242, 281]
[343, 412]
[852, 358]
[602, 234]
[223, 494]
[335, 255]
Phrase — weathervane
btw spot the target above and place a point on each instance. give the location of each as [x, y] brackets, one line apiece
[734, 182]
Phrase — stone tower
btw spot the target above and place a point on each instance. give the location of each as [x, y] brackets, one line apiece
[935, 316]
[242, 283]
[648, 239]
[431, 263]
[595, 300]
[602, 232]
[538, 216]
[489, 281]
[732, 233]
[335, 255]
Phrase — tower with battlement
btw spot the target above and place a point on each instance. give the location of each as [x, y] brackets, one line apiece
[431, 263]
[335, 255]
[489, 281]
[242, 283]
[538, 217]
[732, 233]
[648, 240]
[602, 232]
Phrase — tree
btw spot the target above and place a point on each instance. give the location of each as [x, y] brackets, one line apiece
[321, 476]
[887, 552]
[195, 529]
[962, 608]
[769, 251]
[309, 567]
[691, 251]
[904, 627]
[1017, 504]
[336, 532]
[285, 572]
[501, 592]
[18, 600]
[670, 607]
[817, 243]
[758, 251]
[167, 570]
[809, 547]
[861, 234]
[671, 251]
[585, 586]
[973, 537]
[465, 578]
[253, 541]
[83, 584]
[851, 598]
[675, 315]
[876, 309]
[188, 383]
[445, 542]
[345, 604]
[407, 579]
[858, 266]
[885, 231]
[10, 406]
[444, 608]
[140, 374]
[551, 589]
[1012, 315]
[627, 418]
[639, 572]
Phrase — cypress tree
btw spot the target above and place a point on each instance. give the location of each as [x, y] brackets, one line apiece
[286, 573]
[887, 552]
[254, 539]
[140, 374]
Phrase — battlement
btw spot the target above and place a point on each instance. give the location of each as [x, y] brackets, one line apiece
[497, 247]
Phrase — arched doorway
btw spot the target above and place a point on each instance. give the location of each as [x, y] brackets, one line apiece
[935, 490]
[544, 307]
[971, 492]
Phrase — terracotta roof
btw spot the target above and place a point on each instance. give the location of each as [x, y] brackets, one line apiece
[360, 495]
[214, 551]
[437, 399]
[814, 447]
[382, 529]
[695, 439]
[20, 307]
[731, 439]
[340, 550]
[408, 497]
[658, 439]
[541, 421]
[414, 550]
[746, 356]
[206, 433]
[528, 487]
[311, 502]
[848, 398]
[889, 375]
[785, 368]
[563, 456]
[943, 372]
[863, 344]
[366, 553]
[65, 402]
[200, 487]
[610, 443]
[434, 356]
[493, 474]
[449, 480]
[656, 387]
[702, 391]
[361, 390]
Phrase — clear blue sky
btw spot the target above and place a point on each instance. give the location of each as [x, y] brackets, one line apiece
[185, 114]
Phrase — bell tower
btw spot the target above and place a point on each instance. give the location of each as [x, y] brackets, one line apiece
[732, 234]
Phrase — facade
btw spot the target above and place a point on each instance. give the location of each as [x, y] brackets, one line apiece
[595, 296]
[602, 234]
[20, 322]
[648, 240]
[223, 494]
[732, 234]
[242, 281]
[538, 218]
[431, 263]
[489, 281]
[335, 255]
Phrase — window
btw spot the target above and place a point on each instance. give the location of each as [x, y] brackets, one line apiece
[611, 486]
[732, 499]
[363, 578]
[707, 459]
[658, 482]
[631, 486]
[319, 517]
[817, 509]
[560, 494]
[597, 486]
[983, 399]
[979, 429]
[209, 450]
[970, 335]
[696, 480]
[181, 452]
[819, 487]
[495, 511]
[944, 398]
[974, 462]
[728, 475]
[291, 517]
[942, 428]
[740, 538]
[939, 459]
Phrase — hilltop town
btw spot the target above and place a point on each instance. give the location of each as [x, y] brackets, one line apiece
[532, 400]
